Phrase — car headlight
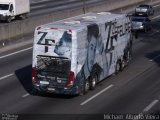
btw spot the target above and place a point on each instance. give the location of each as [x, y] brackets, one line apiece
[141, 26]
[145, 10]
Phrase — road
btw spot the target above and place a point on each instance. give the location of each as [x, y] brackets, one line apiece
[135, 90]
[40, 7]
[43, 7]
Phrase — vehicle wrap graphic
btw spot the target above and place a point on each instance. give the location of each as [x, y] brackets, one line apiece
[93, 50]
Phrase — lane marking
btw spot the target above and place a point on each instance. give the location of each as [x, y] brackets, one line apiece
[1, 57]
[154, 58]
[42, 1]
[25, 95]
[6, 76]
[91, 98]
[153, 33]
[151, 105]
[45, 0]
[156, 5]
[32, 2]
[40, 6]
[156, 17]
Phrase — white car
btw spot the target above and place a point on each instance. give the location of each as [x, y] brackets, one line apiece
[144, 10]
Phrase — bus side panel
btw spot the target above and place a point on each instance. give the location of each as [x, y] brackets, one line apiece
[105, 44]
[118, 39]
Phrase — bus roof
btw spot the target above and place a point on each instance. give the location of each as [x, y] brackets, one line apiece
[81, 21]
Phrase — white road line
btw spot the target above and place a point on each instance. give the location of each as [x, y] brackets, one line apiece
[156, 5]
[154, 58]
[25, 95]
[32, 2]
[45, 0]
[107, 88]
[6, 76]
[39, 1]
[1, 57]
[156, 17]
[150, 105]
[153, 33]
[38, 6]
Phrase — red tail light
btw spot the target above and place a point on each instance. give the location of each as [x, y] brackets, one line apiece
[71, 80]
[34, 77]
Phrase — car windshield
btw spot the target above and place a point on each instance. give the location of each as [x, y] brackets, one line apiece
[138, 19]
[4, 6]
[146, 6]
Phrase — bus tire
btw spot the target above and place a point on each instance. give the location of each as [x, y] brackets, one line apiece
[123, 64]
[85, 87]
[34, 92]
[92, 82]
[129, 57]
[117, 67]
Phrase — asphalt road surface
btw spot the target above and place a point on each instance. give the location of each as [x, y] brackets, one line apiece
[133, 91]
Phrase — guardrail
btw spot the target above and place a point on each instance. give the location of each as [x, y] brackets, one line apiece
[19, 29]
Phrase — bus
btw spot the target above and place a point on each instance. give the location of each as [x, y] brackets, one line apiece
[71, 56]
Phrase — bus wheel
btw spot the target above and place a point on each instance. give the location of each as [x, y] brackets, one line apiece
[128, 57]
[34, 92]
[92, 83]
[123, 64]
[86, 87]
[117, 68]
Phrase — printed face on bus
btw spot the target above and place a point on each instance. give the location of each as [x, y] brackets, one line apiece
[91, 52]
[63, 46]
